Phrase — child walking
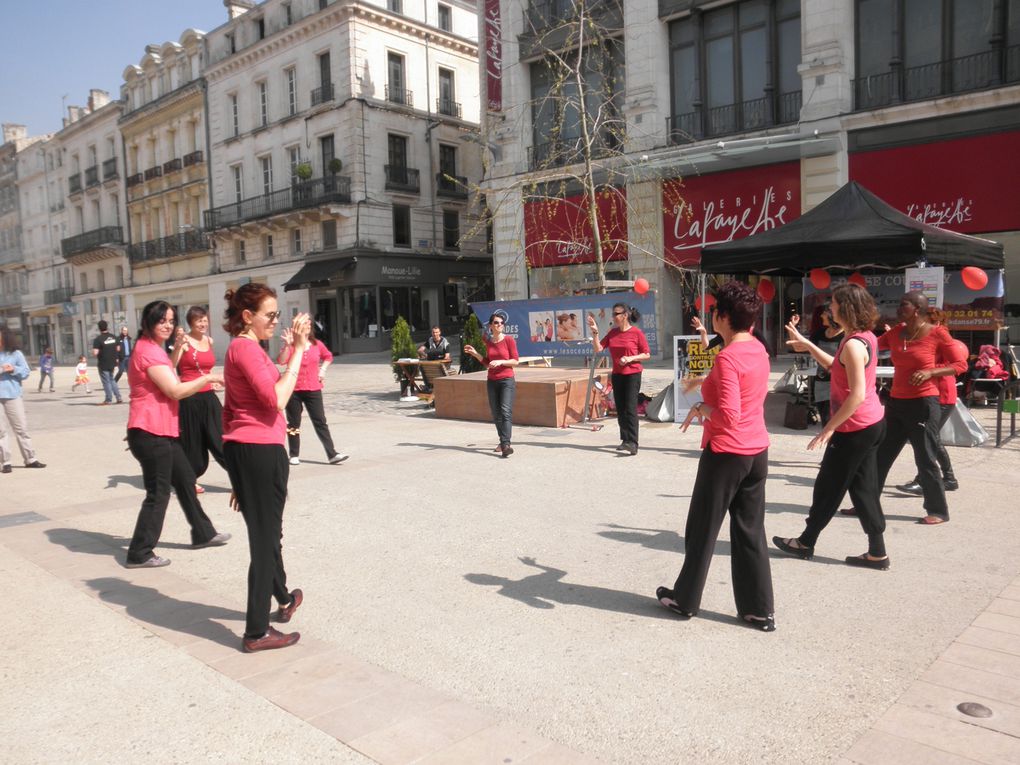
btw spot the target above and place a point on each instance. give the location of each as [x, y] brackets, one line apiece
[81, 375]
[46, 368]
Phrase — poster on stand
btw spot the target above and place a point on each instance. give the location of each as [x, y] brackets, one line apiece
[691, 359]
[929, 280]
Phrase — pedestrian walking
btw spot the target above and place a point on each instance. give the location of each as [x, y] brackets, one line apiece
[254, 433]
[153, 432]
[852, 434]
[13, 371]
[628, 347]
[46, 368]
[500, 359]
[106, 350]
[81, 375]
[732, 468]
[308, 394]
[126, 346]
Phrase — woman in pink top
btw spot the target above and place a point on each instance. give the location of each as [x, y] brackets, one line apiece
[629, 347]
[201, 414]
[308, 393]
[500, 359]
[152, 437]
[853, 433]
[253, 444]
[732, 470]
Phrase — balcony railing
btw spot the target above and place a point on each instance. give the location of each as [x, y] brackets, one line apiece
[133, 180]
[980, 71]
[448, 107]
[172, 166]
[194, 158]
[92, 176]
[322, 94]
[401, 178]
[167, 246]
[331, 189]
[734, 118]
[399, 96]
[91, 240]
[74, 183]
[568, 151]
[58, 295]
[154, 172]
[109, 169]
[452, 186]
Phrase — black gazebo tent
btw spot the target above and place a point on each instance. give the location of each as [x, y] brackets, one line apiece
[851, 230]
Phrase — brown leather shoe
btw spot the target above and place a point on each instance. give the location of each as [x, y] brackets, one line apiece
[272, 639]
[285, 612]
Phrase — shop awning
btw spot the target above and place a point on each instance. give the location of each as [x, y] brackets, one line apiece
[317, 273]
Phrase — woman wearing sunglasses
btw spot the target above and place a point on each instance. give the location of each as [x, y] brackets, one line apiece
[254, 434]
[629, 347]
[500, 359]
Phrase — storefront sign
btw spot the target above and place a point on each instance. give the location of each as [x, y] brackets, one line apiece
[493, 56]
[691, 358]
[721, 207]
[400, 273]
[965, 184]
[559, 326]
[557, 232]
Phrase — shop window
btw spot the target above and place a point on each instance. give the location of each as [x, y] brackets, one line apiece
[400, 301]
[401, 226]
[361, 318]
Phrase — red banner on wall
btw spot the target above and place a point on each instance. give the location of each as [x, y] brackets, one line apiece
[557, 231]
[493, 56]
[965, 184]
[711, 209]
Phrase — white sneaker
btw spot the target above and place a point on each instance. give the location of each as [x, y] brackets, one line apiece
[295, 461]
[337, 459]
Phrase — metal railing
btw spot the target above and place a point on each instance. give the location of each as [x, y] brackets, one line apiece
[448, 107]
[322, 94]
[194, 158]
[402, 178]
[92, 176]
[154, 172]
[399, 96]
[331, 189]
[168, 246]
[452, 186]
[110, 169]
[57, 295]
[172, 166]
[74, 183]
[91, 240]
[756, 114]
[568, 151]
[133, 180]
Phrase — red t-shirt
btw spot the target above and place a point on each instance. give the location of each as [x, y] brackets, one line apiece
[629, 343]
[504, 349]
[909, 356]
[308, 373]
[735, 389]
[194, 363]
[952, 358]
[150, 409]
[871, 410]
[250, 415]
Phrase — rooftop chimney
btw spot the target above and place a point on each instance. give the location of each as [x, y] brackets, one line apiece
[13, 132]
[74, 113]
[237, 7]
[98, 99]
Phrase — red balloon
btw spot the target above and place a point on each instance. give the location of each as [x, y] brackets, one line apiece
[641, 285]
[767, 290]
[858, 279]
[709, 301]
[975, 278]
[820, 278]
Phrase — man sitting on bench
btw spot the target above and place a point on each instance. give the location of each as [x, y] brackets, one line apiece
[436, 348]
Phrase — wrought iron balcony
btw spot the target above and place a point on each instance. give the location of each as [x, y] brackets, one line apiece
[333, 189]
[110, 169]
[399, 96]
[980, 71]
[194, 158]
[154, 172]
[402, 178]
[734, 118]
[91, 240]
[448, 107]
[452, 186]
[74, 183]
[58, 295]
[172, 166]
[92, 176]
[167, 246]
[133, 180]
[323, 94]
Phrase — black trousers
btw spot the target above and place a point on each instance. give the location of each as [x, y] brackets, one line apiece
[258, 476]
[734, 483]
[915, 420]
[201, 419]
[850, 463]
[501, 404]
[312, 402]
[163, 466]
[625, 393]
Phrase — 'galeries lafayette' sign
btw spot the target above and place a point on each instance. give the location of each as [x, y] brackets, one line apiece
[711, 209]
[493, 56]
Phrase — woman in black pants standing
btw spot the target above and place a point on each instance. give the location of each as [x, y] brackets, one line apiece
[629, 347]
[500, 359]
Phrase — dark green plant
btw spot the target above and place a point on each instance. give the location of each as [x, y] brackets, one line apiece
[402, 346]
[471, 335]
[335, 166]
[303, 171]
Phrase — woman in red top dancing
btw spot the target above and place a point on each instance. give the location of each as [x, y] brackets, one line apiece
[629, 347]
[500, 359]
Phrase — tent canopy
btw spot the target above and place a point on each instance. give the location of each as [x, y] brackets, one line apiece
[851, 230]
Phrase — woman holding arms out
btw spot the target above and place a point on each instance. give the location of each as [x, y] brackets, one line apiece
[152, 436]
[500, 359]
[852, 434]
[254, 434]
[628, 347]
[732, 469]
[201, 414]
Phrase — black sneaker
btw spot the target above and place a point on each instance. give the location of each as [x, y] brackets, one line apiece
[911, 488]
[951, 484]
[665, 597]
[631, 449]
[622, 447]
[506, 449]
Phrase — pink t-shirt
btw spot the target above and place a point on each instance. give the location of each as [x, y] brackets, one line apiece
[250, 415]
[195, 363]
[629, 343]
[308, 374]
[150, 409]
[504, 349]
[735, 389]
[871, 410]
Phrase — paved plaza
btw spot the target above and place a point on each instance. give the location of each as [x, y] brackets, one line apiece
[462, 608]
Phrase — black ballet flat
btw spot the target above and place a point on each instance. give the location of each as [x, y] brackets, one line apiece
[863, 561]
[766, 624]
[804, 553]
[665, 597]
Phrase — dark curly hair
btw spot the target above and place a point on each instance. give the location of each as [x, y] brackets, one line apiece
[739, 303]
[247, 297]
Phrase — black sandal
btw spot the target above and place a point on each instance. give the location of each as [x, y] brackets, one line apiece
[863, 561]
[665, 597]
[804, 553]
[760, 623]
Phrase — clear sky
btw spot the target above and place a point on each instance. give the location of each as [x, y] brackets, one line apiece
[65, 47]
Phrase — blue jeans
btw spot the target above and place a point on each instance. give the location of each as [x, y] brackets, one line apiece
[110, 389]
[501, 404]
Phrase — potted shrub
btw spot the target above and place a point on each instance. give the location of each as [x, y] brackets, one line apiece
[335, 166]
[401, 347]
[471, 335]
[303, 171]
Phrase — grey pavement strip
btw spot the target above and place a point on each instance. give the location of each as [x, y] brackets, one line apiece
[18, 519]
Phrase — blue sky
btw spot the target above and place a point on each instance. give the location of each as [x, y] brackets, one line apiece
[66, 47]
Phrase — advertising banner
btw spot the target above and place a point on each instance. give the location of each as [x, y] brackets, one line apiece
[493, 57]
[690, 359]
[559, 326]
[558, 232]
